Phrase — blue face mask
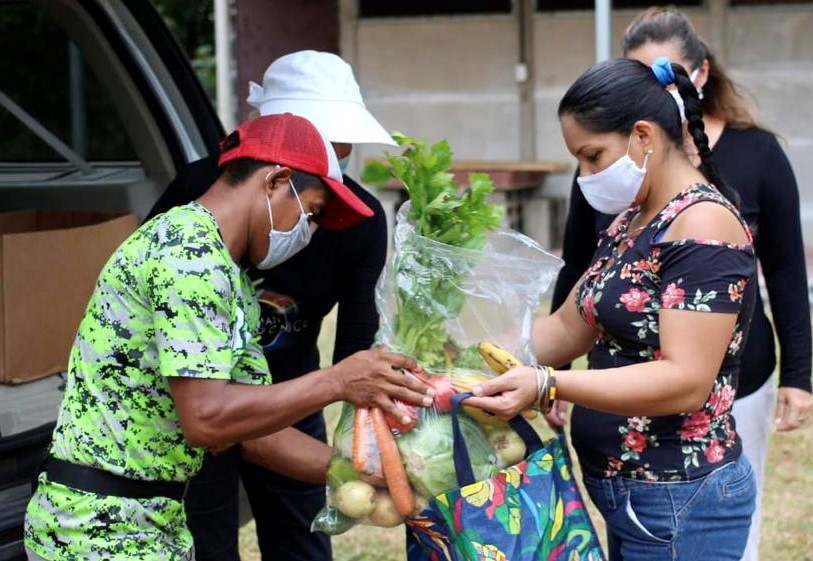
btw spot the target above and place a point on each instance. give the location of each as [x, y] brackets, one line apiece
[284, 245]
[343, 163]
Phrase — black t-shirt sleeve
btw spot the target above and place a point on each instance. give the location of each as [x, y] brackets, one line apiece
[191, 182]
[357, 320]
[781, 255]
[582, 229]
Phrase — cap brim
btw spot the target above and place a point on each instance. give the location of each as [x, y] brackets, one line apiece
[344, 209]
[339, 121]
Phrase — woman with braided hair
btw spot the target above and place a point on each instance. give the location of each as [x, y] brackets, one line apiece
[752, 162]
[663, 311]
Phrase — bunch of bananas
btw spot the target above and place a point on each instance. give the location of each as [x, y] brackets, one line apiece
[497, 358]
[500, 361]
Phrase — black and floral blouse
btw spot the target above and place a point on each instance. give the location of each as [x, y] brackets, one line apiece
[630, 280]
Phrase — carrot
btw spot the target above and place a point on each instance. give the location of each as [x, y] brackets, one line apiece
[394, 471]
[361, 440]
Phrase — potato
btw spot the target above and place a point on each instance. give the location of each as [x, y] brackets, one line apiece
[508, 445]
[384, 512]
[355, 499]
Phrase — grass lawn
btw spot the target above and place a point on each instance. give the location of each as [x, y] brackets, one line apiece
[787, 505]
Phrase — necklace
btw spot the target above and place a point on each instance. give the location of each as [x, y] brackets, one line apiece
[636, 230]
[628, 236]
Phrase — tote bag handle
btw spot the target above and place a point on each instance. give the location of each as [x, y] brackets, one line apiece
[462, 462]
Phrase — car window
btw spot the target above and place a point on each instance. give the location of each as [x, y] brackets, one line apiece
[99, 108]
[52, 106]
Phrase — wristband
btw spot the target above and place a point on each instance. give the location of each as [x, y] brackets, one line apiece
[551, 397]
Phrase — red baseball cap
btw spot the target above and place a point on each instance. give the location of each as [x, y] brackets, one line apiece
[293, 141]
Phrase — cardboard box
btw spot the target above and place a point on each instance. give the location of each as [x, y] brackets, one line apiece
[49, 263]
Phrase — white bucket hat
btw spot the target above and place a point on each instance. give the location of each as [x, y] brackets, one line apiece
[319, 86]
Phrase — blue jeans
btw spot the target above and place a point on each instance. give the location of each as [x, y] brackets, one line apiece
[707, 518]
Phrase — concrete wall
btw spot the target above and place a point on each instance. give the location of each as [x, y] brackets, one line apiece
[771, 53]
[268, 29]
[453, 77]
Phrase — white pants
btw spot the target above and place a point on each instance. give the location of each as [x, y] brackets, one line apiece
[754, 417]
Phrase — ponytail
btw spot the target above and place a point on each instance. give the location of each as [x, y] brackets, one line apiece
[697, 130]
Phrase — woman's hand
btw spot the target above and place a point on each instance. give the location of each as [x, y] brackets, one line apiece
[557, 416]
[377, 377]
[792, 408]
[507, 394]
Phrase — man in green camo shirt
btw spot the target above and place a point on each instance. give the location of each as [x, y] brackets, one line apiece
[167, 360]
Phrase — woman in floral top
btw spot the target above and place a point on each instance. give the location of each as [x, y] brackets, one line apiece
[663, 311]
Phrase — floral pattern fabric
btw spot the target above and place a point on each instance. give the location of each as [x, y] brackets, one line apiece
[532, 511]
[632, 278]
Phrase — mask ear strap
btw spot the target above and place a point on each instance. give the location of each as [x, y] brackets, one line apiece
[268, 175]
[268, 199]
[270, 214]
[302, 208]
[647, 154]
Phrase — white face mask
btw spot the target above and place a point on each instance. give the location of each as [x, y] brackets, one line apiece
[284, 245]
[679, 100]
[614, 188]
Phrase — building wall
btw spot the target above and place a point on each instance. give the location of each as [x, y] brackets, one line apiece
[454, 78]
[268, 29]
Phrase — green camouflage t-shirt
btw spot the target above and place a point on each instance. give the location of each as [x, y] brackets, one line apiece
[169, 302]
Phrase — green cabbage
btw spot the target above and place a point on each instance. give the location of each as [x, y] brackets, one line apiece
[427, 453]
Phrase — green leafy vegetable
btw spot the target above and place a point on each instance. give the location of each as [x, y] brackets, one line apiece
[428, 454]
[431, 267]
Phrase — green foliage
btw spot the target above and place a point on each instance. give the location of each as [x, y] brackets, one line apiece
[440, 210]
[451, 226]
[192, 24]
[428, 453]
[205, 67]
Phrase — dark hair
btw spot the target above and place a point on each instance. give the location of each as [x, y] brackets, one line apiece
[303, 181]
[612, 95]
[663, 24]
[239, 170]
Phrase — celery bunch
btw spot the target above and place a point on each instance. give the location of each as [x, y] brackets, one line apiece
[429, 283]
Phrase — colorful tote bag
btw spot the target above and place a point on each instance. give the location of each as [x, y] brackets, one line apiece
[531, 511]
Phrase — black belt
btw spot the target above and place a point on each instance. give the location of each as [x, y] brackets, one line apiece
[93, 480]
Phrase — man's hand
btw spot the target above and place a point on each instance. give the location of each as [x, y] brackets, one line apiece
[377, 377]
[290, 452]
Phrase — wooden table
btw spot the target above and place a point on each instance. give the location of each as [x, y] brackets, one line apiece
[515, 182]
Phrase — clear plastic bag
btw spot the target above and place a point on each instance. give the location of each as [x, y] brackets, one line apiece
[432, 295]
[437, 303]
